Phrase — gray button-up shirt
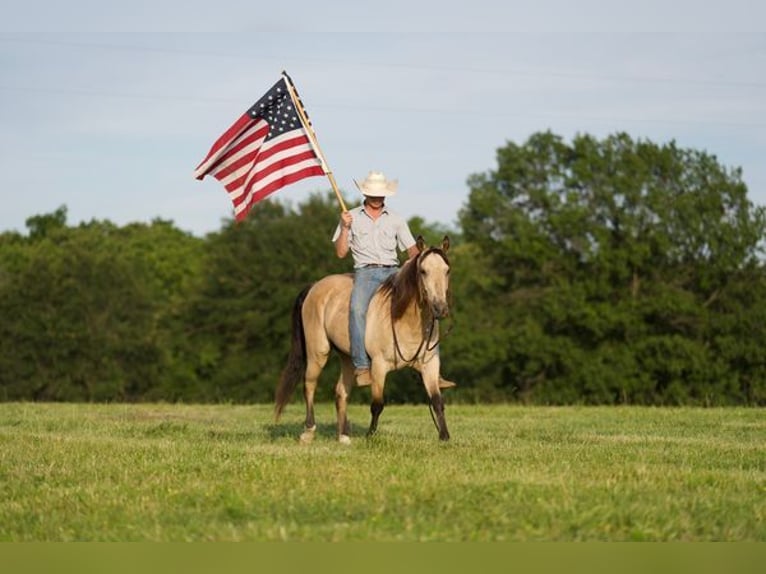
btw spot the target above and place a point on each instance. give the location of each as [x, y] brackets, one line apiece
[374, 242]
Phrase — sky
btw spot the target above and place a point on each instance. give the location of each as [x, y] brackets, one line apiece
[107, 107]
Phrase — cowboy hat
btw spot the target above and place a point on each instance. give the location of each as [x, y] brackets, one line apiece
[376, 185]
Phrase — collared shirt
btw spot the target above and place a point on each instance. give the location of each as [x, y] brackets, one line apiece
[374, 241]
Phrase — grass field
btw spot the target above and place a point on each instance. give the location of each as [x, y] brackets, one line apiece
[195, 473]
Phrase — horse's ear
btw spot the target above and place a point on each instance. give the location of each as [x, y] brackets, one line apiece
[421, 243]
[445, 244]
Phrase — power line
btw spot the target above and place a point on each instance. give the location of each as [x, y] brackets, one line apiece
[87, 92]
[493, 112]
[394, 65]
[497, 112]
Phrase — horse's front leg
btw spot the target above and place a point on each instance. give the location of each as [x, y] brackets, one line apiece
[437, 404]
[430, 374]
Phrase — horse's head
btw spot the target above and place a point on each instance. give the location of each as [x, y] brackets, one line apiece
[433, 277]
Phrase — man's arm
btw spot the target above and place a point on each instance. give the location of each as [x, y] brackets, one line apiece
[341, 242]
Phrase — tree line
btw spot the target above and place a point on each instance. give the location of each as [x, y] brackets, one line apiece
[613, 271]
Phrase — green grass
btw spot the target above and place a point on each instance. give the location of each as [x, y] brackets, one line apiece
[194, 473]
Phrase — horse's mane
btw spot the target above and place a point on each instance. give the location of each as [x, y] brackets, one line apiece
[403, 286]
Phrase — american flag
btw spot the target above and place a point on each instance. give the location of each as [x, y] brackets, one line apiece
[264, 150]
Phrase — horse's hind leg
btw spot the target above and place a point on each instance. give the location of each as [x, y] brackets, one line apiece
[377, 404]
[314, 366]
[310, 427]
[342, 391]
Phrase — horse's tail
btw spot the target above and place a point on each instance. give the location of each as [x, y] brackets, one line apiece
[295, 369]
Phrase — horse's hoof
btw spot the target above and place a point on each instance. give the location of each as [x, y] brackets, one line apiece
[344, 439]
[307, 436]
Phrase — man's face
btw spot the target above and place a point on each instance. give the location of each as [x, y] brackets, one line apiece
[375, 201]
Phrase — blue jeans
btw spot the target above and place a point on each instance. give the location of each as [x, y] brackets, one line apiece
[366, 282]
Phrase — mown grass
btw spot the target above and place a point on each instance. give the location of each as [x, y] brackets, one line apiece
[194, 473]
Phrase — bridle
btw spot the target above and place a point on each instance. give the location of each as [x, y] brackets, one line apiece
[428, 332]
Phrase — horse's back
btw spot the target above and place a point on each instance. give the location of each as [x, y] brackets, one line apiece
[325, 312]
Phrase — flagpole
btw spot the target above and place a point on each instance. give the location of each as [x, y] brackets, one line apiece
[312, 136]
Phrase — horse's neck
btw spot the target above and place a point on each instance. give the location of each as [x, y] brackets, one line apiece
[417, 316]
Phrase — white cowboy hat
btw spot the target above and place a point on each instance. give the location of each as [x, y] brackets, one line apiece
[376, 185]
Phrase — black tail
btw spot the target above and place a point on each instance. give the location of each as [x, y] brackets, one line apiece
[295, 370]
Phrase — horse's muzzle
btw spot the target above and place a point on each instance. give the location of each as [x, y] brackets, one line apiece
[440, 310]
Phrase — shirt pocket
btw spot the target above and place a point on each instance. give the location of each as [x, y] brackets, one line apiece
[361, 236]
[387, 239]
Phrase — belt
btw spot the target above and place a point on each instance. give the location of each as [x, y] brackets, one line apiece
[376, 266]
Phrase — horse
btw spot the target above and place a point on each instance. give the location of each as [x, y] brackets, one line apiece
[402, 330]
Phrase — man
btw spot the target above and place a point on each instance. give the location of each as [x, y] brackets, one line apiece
[372, 233]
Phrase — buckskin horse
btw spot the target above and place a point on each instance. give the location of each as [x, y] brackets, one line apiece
[402, 330]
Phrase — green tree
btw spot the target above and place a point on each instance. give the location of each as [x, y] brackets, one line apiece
[77, 323]
[169, 263]
[45, 225]
[610, 258]
[87, 310]
[239, 321]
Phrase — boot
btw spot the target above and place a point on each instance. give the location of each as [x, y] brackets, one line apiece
[445, 384]
[363, 377]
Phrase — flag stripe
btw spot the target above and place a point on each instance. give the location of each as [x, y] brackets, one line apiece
[251, 167]
[310, 170]
[222, 144]
[249, 142]
[262, 155]
[280, 165]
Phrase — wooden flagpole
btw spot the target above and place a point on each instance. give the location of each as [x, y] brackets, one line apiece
[313, 137]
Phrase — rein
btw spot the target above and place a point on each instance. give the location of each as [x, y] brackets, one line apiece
[423, 341]
[426, 337]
